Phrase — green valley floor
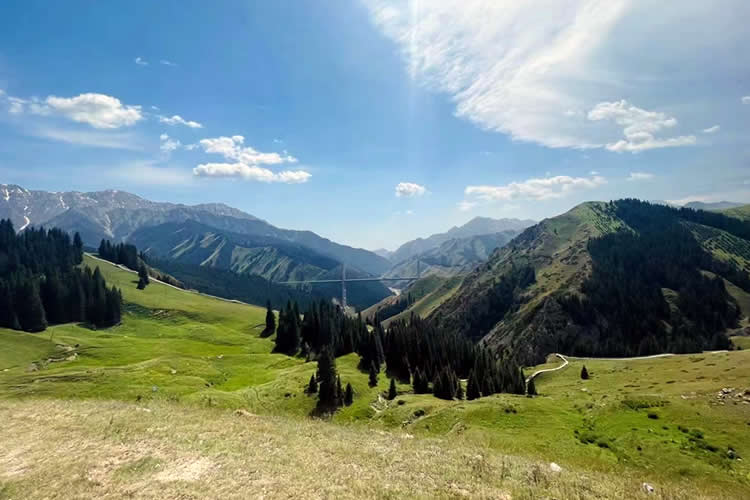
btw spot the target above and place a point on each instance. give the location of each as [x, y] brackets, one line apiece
[184, 399]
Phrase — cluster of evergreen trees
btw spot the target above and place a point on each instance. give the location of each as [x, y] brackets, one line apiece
[327, 382]
[41, 283]
[121, 253]
[415, 351]
[630, 272]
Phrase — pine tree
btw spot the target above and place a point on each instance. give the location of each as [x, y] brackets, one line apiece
[531, 388]
[142, 277]
[348, 395]
[392, 390]
[339, 392]
[270, 328]
[420, 382]
[327, 378]
[373, 375]
[584, 373]
[78, 246]
[312, 387]
[31, 315]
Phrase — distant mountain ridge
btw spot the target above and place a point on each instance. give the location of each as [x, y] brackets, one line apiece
[718, 205]
[610, 279]
[475, 227]
[116, 215]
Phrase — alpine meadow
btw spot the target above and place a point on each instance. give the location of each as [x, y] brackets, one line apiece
[374, 249]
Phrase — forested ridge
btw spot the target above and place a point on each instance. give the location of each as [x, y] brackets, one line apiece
[631, 270]
[41, 282]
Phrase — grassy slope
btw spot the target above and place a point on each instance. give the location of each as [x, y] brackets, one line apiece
[206, 352]
[160, 450]
[742, 212]
[429, 292]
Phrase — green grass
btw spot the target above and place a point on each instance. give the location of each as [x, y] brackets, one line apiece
[742, 212]
[180, 348]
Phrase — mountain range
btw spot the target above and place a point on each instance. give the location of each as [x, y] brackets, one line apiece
[609, 279]
[116, 215]
[475, 227]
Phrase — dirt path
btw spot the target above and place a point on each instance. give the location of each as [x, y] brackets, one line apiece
[546, 370]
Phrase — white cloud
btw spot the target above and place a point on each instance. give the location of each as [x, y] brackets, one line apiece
[16, 105]
[246, 162]
[529, 69]
[711, 130]
[155, 108]
[149, 172]
[109, 140]
[167, 63]
[639, 126]
[97, 110]
[594, 172]
[168, 144]
[232, 148]
[409, 189]
[465, 206]
[178, 120]
[640, 176]
[746, 99]
[535, 189]
[140, 61]
[250, 172]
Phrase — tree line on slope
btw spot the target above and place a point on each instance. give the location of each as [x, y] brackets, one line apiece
[413, 351]
[626, 288]
[41, 282]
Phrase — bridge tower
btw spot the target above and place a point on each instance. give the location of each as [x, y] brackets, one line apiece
[343, 285]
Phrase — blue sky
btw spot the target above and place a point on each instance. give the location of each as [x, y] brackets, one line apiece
[375, 122]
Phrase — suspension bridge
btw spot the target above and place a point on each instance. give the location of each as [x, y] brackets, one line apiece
[344, 280]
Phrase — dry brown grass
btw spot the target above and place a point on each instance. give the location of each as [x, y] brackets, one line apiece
[95, 449]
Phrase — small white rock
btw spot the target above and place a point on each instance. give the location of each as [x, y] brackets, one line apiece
[648, 488]
[554, 467]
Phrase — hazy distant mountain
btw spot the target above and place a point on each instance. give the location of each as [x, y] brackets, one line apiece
[453, 256]
[116, 215]
[476, 226]
[191, 243]
[385, 253]
[719, 205]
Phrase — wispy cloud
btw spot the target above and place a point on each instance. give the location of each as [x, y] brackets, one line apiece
[178, 120]
[465, 205]
[168, 144]
[711, 130]
[149, 172]
[140, 61]
[167, 63]
[533, 189]
[533, 73]
[109, 140]
[640, 176]
[409, 190]
[745, 99]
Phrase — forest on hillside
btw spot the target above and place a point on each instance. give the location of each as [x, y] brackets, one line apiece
[648, 293]
[42, 283]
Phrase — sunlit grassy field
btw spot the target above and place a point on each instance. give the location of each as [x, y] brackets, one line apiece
[193, 359]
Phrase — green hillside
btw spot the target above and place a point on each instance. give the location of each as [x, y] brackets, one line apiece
[180, 348]
[742, 213]
[608, 279]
